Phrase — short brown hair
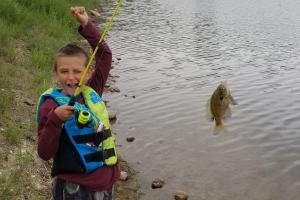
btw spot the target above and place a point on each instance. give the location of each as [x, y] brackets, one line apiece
[70, 50]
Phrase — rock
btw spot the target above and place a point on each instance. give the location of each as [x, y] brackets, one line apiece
[114, 89]
[157, 183]
[95, 13]
[112, 115]
[28, 102]
[107, 85]
[133, 96]
[181, 195]
[118, 58]
[130, 139]
[31, 137]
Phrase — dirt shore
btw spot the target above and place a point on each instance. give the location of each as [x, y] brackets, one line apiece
[123, 190]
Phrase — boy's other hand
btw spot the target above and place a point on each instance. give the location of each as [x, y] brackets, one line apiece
[64, 112]
[80, 15]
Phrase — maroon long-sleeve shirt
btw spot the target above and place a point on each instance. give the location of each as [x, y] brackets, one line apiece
[50, 126]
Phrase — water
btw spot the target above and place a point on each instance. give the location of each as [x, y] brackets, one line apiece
[173, 55]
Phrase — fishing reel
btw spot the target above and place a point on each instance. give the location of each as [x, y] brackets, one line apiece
[83, 118]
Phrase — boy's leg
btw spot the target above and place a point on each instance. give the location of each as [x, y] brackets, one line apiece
[103, 195]
[57, 189]
[69, 191]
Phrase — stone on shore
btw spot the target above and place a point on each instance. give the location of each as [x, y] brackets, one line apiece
[181, 195]
[112, 115]
[114, 89]
[130, 139]
[158, 183]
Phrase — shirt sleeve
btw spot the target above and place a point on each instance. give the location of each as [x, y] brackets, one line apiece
[103, 57]
[49, 130]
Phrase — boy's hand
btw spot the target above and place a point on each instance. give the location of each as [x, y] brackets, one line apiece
[80, 15]
[64, 112]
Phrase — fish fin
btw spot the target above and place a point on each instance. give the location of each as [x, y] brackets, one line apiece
[232, 100]
[209, 115]
[224, 83]
[227, 113]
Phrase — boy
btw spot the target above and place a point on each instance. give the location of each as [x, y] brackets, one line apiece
[84, 158]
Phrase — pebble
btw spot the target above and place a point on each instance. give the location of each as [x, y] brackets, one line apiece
[28, 102]
[130, 139]
[181, 195]
[112, 115]
[157, 183]
[114, 89]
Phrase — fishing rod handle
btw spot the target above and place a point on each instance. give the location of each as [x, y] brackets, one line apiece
[72, 100]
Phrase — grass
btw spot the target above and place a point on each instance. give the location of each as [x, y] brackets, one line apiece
[18, 180]
[31, 32]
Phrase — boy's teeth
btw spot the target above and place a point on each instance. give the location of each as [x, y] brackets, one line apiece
[72, 85]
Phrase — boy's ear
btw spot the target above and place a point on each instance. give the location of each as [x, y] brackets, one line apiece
[54, 73]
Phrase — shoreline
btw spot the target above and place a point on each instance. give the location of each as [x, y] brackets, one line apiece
[129, 189]
[126, 189]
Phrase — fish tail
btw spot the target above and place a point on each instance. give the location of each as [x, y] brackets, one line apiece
[219, 124]
[218, 128]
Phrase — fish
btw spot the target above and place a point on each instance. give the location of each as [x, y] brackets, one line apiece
[218, 106]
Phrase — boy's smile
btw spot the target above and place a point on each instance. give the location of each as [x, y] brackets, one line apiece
[68, 71]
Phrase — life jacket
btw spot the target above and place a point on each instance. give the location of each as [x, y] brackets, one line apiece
[82, 149]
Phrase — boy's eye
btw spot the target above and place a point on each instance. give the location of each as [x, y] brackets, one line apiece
[77, 71]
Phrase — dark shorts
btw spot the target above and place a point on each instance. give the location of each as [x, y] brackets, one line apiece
[62, 190]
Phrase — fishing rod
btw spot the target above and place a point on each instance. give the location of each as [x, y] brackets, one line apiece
[77, 90]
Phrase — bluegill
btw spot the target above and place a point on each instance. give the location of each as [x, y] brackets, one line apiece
[218, 105]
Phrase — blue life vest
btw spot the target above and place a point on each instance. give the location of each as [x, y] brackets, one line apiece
[89, 149]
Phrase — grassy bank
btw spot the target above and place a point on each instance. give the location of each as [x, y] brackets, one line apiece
[30, 34]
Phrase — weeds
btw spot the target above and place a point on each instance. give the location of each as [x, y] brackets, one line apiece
[31, 32]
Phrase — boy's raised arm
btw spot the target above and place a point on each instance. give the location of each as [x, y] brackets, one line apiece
[103, 57]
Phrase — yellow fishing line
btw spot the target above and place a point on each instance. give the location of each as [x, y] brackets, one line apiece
[77, 90]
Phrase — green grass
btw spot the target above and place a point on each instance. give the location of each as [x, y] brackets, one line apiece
[7, 98]
[31, 31]
[17, 181]
[13, 134]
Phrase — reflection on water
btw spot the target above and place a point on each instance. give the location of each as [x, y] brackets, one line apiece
[174, 54]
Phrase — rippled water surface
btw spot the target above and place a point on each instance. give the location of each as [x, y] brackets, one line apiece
[173, 55]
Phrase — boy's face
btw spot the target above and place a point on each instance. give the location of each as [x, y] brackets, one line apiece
[69, 69]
